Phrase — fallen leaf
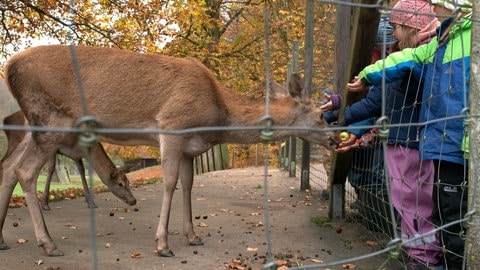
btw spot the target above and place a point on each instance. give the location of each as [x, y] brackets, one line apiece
[203, 225]
[108, 245]
[317, 261]
[252, 249]
[349, 266]
[70, 225]
[64, 237]
[39, 262]
[22, 241]
[136, 256]
[372, 243]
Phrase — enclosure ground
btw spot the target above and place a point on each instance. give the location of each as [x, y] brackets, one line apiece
[228, 208]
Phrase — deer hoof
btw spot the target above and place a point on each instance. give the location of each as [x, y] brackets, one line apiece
[197, 241]
[4, 246]
[54, 253]
[166, 252]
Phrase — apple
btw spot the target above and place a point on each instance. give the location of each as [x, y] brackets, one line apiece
[344, 136]
[51, 197]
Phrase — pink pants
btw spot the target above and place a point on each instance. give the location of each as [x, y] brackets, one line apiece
[411, 185]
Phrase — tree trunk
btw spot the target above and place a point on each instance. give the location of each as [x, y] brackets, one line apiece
[60, 172]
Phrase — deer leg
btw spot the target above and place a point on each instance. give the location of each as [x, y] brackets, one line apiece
[27, 170]
[186, 177]
[46, 192]
[9, 180]
[170, 167]
[88, 195]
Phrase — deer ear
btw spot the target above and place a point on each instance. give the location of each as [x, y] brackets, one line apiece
[296, 88]
[277, 89]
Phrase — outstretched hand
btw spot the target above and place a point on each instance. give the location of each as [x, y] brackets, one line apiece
[327, 106]
[347, 145]
[356, 85]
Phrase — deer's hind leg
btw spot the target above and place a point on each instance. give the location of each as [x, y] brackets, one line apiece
[186, 178]
[9, 180]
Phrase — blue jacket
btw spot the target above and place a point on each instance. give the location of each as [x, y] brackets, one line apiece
[444, 67]
[401, 107]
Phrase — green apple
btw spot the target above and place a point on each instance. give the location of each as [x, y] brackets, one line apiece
[344, 136]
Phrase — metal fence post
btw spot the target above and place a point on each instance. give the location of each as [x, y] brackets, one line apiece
[472, 244]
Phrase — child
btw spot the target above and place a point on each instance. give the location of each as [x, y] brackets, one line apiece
[411, 181]
[444, 66]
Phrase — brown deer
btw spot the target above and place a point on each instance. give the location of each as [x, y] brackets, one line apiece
[143, 91]
[115, 179]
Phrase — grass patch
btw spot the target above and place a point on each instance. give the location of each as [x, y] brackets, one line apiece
[75, 182]
[321, 221]
[257, 187]
[72, 190]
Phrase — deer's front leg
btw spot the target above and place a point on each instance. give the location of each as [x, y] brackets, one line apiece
[170, 176]
[186, 177]
[27, 173]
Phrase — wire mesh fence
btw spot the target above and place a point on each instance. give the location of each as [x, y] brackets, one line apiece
[416, 197]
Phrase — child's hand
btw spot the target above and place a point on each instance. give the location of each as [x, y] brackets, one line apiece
[356, 86]
[345, 146]
[327, 106]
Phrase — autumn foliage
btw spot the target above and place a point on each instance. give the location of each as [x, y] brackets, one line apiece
[229, 37]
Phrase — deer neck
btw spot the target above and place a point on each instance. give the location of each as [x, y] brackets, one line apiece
[102, 164]
[250, 112]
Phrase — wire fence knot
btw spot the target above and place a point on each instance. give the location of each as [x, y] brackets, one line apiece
[87, 136]
[267, 133]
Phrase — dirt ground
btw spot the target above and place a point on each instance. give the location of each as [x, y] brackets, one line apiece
[228, 209]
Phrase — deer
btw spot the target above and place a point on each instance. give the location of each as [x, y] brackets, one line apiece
[143, 91]
[114, 178]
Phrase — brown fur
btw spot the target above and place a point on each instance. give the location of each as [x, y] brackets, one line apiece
[142, 91]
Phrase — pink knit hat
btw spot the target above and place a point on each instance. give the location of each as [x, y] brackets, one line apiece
[414, 13]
